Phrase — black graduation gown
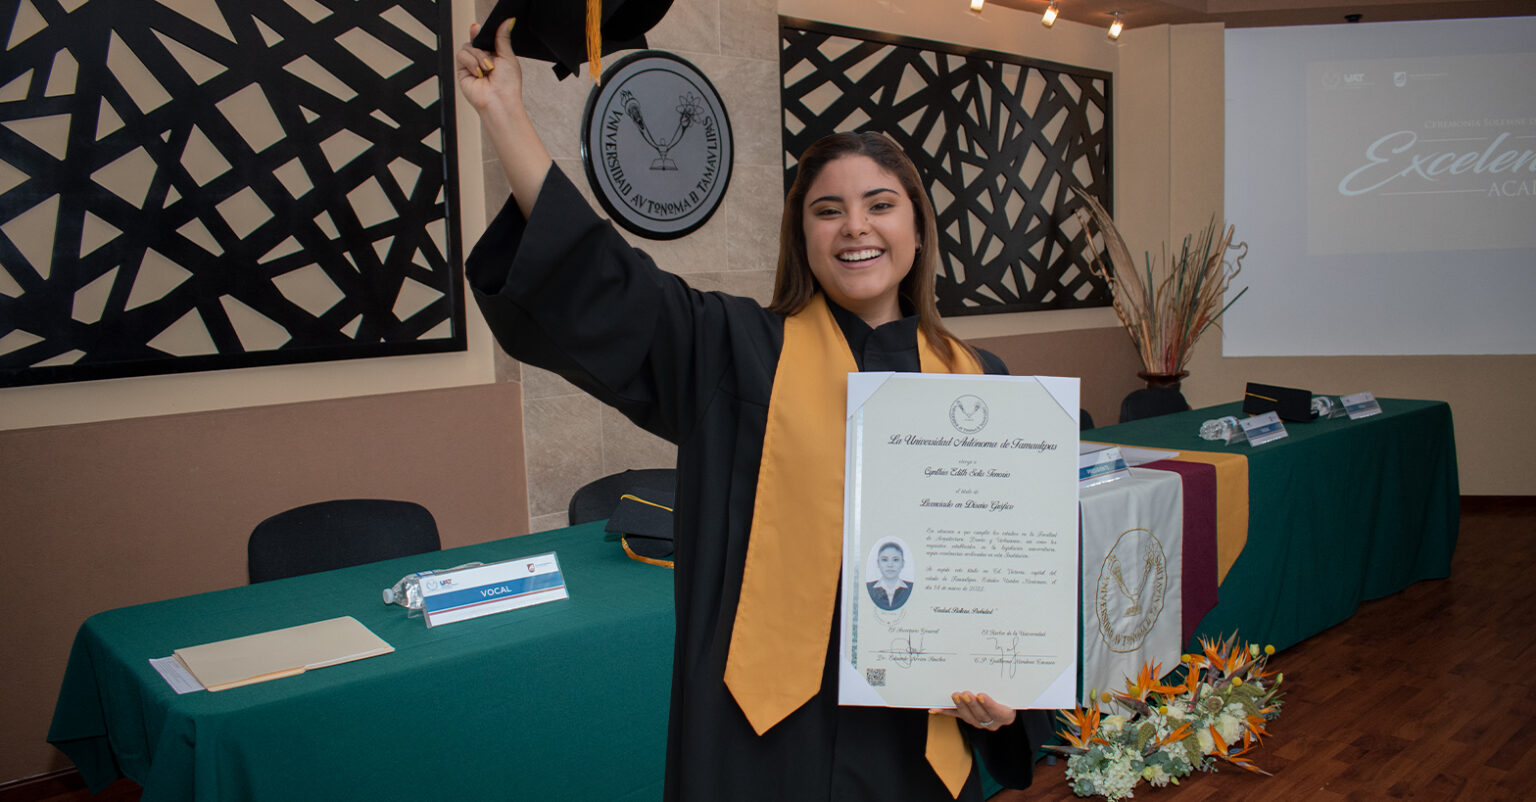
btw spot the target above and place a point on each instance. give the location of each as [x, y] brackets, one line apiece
[564, 292]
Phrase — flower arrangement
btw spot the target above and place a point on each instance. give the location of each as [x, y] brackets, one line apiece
[1215, 714]
[1166, 308]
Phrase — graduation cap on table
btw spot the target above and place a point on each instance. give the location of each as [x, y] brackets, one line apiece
[643, 519]
[1288, 402]
[569, 32]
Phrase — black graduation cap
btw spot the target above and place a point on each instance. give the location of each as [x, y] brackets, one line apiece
[644, 518]
[1290, 403]
[556, 30]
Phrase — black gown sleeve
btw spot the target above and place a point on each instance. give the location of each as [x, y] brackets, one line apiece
[1009, 753]
[563, 291]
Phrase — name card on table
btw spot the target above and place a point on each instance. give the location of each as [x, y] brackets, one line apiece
[1262, 429]
[1098, 463]
[1360, 405]
[450, 596]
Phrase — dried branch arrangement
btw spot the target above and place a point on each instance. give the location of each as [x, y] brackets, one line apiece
[1166, 307]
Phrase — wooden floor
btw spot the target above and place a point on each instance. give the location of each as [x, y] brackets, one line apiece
[1429, 694]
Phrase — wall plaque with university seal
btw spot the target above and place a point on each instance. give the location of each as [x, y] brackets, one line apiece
[657, 145]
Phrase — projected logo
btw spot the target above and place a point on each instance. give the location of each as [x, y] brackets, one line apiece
[1442, 157]
[1337, 79]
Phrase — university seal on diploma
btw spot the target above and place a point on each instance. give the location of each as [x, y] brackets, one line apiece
[960, 540]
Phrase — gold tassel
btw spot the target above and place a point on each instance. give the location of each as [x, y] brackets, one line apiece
[595, 39]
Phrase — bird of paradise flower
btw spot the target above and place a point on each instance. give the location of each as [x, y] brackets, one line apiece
[1185, 708]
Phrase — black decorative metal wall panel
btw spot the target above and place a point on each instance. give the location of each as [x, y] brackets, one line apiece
[201, 184]
[1001, 141]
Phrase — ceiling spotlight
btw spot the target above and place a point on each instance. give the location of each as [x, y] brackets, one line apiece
[1049, 17]
[1116, 27]
[977, 4]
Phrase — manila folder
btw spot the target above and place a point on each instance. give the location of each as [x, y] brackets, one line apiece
[280, 653]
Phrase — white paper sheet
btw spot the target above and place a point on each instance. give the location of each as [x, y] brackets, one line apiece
[960, 540]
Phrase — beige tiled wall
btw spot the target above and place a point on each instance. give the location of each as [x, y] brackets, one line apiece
[572, 439]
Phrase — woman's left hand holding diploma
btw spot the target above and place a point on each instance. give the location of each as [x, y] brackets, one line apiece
[979, 710]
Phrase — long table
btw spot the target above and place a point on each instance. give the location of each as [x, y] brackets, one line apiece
[568, 700]
[1341, 511]
[562, 701]
[565, 700]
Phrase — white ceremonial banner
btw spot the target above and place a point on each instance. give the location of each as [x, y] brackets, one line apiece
[960, 540]
[1133, 556]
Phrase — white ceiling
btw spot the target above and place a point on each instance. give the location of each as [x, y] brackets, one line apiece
[1260, 13]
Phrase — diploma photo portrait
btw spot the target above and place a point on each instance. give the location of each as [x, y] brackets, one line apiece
[889, 574]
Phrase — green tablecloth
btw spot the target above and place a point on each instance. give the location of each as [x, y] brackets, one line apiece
[565, 700]
[568, 700]
[1340, 511]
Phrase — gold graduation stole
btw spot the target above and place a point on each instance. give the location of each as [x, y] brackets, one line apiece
[794, 554]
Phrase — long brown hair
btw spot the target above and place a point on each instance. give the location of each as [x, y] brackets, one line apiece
[794, 283]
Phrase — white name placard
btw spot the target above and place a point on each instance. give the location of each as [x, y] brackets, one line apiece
[1360, 405]
[1264, 428]
[451, 596]
[1098, 463]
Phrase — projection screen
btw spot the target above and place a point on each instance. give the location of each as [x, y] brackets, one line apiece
[1384, 177]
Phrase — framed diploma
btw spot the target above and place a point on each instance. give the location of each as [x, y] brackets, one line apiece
[960, 540]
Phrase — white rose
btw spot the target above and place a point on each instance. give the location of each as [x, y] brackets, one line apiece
[1230, 727]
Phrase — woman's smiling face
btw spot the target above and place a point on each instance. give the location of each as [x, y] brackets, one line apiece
[891, 561]
[860, 236]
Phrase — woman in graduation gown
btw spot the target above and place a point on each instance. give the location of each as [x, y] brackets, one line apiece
[563, 291]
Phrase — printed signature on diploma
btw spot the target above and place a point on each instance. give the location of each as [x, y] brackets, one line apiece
[1004, 653]
[908, 648]
[904, 650]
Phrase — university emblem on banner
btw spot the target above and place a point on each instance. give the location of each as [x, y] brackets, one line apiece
[657, 145]
[1132, 583]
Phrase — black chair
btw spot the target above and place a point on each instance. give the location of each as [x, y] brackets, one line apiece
[595, 500]
[1084, 420]
[336, 534]
[1149, 402]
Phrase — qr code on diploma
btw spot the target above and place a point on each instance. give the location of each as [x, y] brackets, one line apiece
[875, 677]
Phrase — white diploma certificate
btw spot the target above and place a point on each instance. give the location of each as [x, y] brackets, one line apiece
[960, 540]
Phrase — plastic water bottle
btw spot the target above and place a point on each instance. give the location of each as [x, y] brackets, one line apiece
[407, 592]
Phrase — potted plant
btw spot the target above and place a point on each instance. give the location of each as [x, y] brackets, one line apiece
[1169, 304]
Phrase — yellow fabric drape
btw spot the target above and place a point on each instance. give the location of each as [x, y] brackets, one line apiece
[794, 554]
[1231, 504]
